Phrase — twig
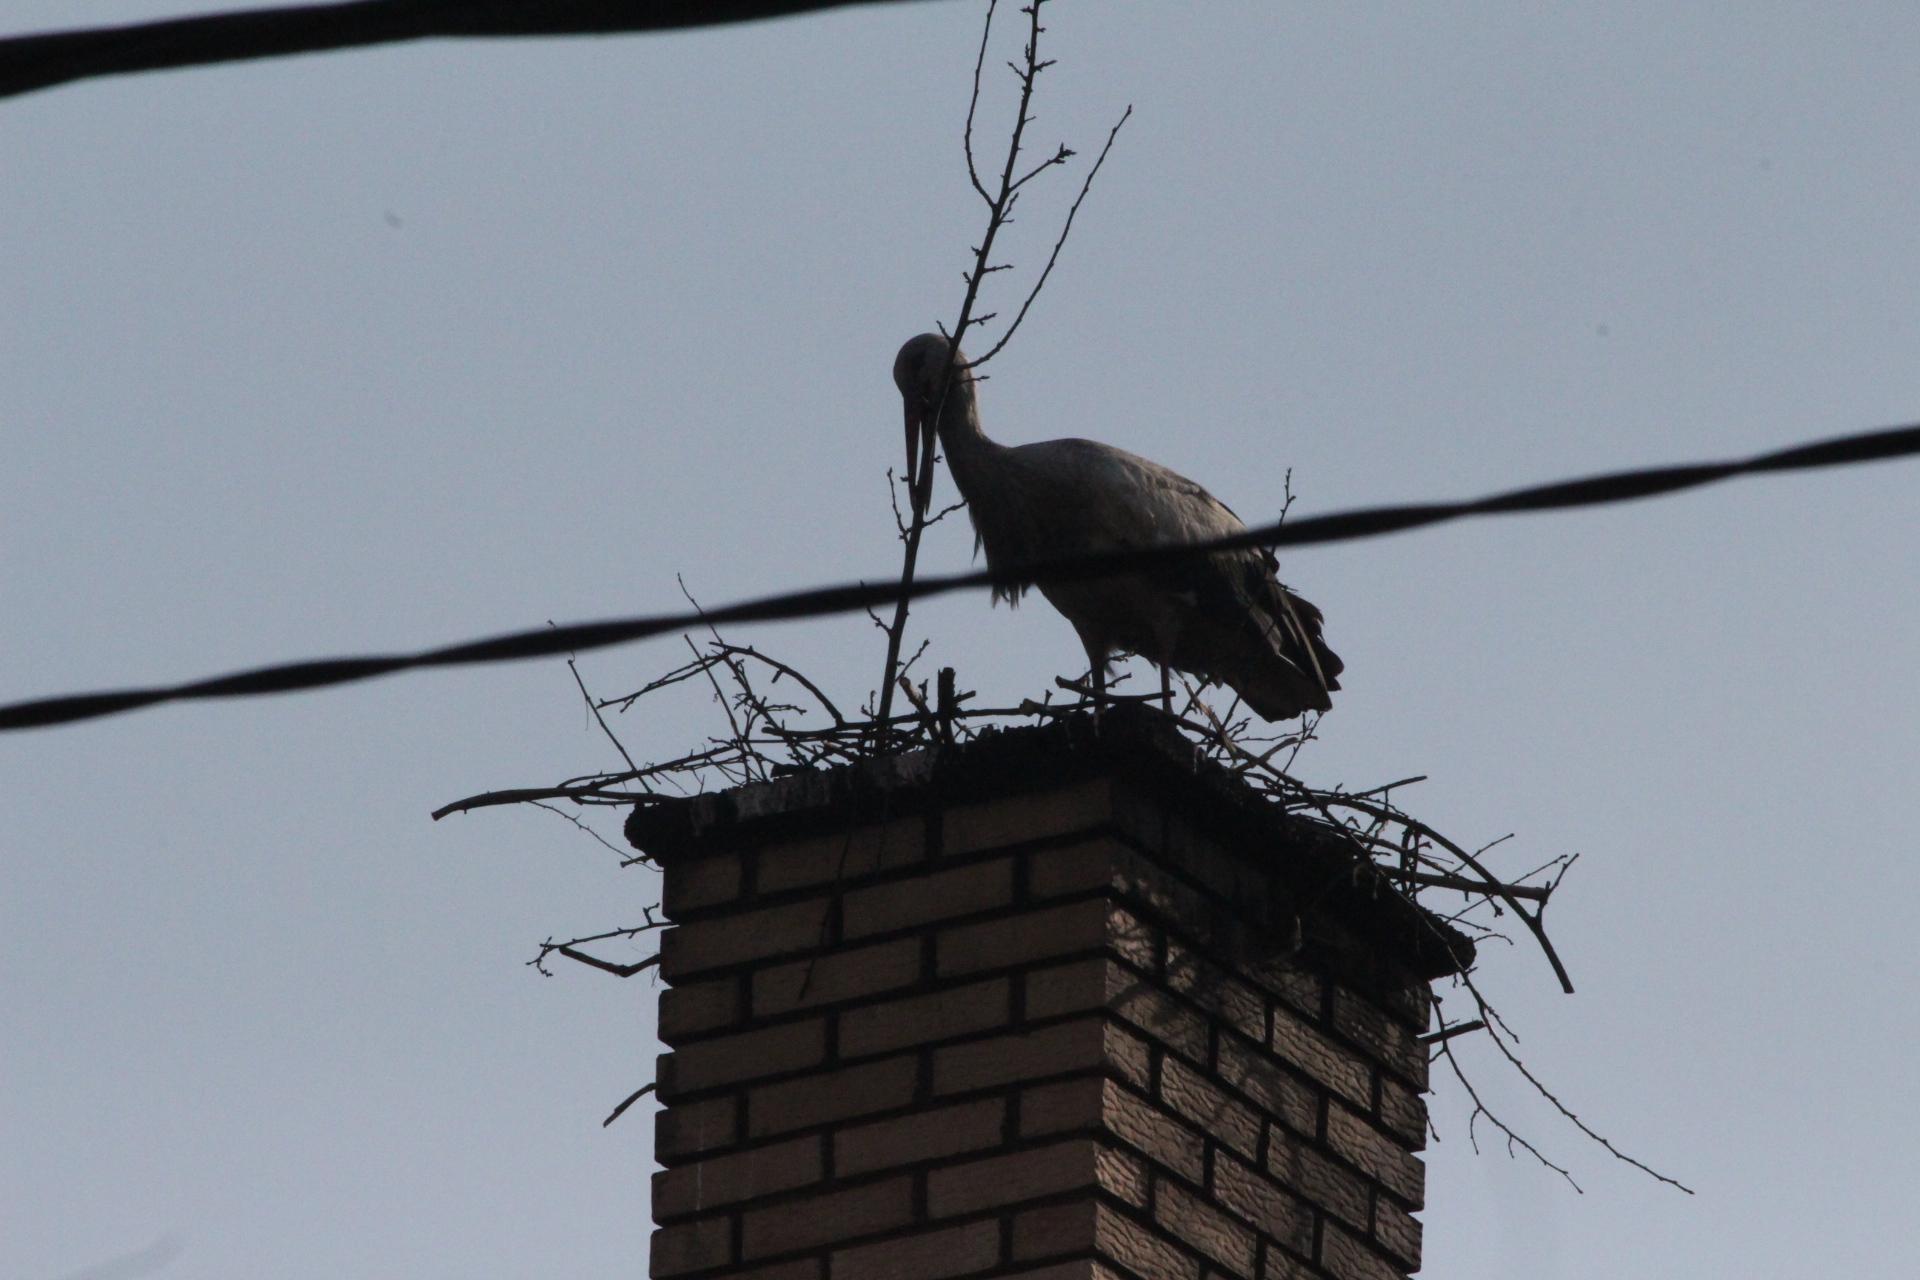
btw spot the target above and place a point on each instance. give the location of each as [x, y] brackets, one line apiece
[574, 667]
[575, 820]
[1061, 242]
[1457, 1029]
[632, 1098]
[973, 103]
[1480, 1109]
[1533, 893]
[525, 795]
[1513, 1059]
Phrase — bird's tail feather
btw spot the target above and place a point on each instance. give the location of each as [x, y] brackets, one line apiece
[1280, 665]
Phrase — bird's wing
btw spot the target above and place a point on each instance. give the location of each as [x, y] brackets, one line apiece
[1101, 498]
[1087, 497]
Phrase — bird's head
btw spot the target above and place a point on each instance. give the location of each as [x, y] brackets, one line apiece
[920, 371]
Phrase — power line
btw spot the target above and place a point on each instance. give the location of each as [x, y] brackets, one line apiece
[45, 59]
[1339, 526]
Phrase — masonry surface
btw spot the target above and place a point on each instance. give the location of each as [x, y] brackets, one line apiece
[1046, 1005]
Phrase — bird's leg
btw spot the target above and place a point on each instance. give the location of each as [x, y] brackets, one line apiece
[1097, 664]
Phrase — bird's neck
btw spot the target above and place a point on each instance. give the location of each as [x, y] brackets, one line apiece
[966, 445]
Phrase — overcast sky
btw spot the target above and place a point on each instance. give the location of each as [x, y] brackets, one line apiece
[393, 348]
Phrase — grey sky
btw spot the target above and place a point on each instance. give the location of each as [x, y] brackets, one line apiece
[392, 348]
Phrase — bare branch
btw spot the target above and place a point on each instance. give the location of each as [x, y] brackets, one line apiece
[973, 103]
[631, 1098]
[574, 666]
[570, 949]
[1493, 1032]
[1057, 244]
[1480, 1109]
[1457, 1029]
[575, 820]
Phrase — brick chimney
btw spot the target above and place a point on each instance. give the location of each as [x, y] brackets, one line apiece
[1046, 1005]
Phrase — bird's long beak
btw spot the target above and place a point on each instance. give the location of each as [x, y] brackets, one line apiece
[914, 425]
[916, 440]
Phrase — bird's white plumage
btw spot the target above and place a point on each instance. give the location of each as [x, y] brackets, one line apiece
[1222, 616]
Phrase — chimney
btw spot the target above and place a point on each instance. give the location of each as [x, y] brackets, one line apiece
[1048, 1004]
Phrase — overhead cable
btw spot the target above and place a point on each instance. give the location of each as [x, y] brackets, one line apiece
[44, 59]
[1339, 526]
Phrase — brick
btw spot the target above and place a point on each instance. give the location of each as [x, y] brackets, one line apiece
[1096, 1103]
[1015, 820]
[835, 977]
[1161, 892]
[1023, 1175]
[1077, 1269]
[939, 1015]
[1155, 1134]
[1206, 1228]
[1073, 987]
[1387, 1039]
[1054, 1229]
[930, 1255]
[1317, 1178]
[1164, 1018]
[1376, 1155]
[746, 935]
[822, 1219]
[1312, 1051]
[1397, 1231]
[1189, 1093]
[744, 1175]
[1085, 1225]
[1140, 1250]
[828, 858]
[1347, 1258]
[1411, 1003]
[1020, 939]
[799, 1269]
[1076, 868]
[1093, 981]
[696, 1007]
[1281, 976]
[718, 1060]
[1404, 1113]
[1133, 940]
[1227, 877]
[1268, 1085]
[688, 1128]
[692, 1246]
[692, 883]
[1063, 1107]
[1051, 1051]
[904, 904]
[1141, 818]
[924, 1135]
[1122, 1173]
[1216, 991]
[1281, 1265]
[1273, 1209]
[834, 1095]
[1128, 1055]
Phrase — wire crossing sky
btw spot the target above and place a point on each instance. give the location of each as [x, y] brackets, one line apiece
[43, 60]
[1340, 526]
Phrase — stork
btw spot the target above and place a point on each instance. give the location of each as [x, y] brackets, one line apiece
[1223, 616]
